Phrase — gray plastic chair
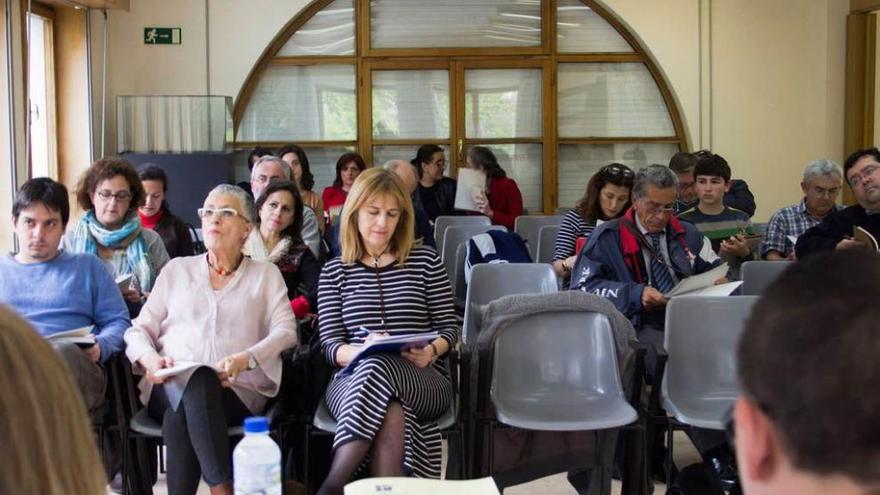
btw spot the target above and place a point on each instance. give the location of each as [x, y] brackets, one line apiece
[758, 275]
[547, 243]
[444, 221]
[459, 288]
[456, 235]
[489, 281]
[528, 227]
[559, 372]
[701, 336]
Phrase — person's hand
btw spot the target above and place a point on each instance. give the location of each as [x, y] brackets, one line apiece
[231, 366]
[154, 363]
[568, 263]
[483, 206]
[132, 295]
[94, 352]
[722, 280]
[652, 299]
[850, 243]
[735, 246]
[420, 356]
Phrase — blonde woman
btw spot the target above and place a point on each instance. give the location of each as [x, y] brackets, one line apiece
[49, 449]
[382, 284]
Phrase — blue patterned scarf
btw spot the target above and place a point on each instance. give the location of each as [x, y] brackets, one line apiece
[89, 233]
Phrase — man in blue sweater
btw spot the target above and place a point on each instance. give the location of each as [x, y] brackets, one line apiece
[58, 291]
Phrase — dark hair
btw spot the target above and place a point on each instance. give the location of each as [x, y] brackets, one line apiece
[257, 152]
[294, 230]
[615, 173]
[858, 155]
[344, 160]
[808, 359]
[424, 155]
[107, 168]
[43, 190]
[151, 171]
[308, 180]
[483, 157]
[682, 162]
[712, 165]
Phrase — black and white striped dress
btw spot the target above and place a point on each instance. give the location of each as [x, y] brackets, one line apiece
[417, 298]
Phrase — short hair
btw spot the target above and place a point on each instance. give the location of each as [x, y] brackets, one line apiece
[52, 450]
[711, 165]
[257, 152]
[822, 168]
[245, 199]
[294, 230]
[108, 168]
[393, 164]
[858, 155]
[307, 181]
[152, 171]
[682, 162]
[424, 155]
[808, 360]
[344, 160]
[483, 157]
[43, 190]
[272, 159]
[618, 174]
[371, 183]
[659, 176]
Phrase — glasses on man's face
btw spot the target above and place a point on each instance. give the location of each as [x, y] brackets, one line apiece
[652, 208]
[119, 195]
[857, 179]
[222, 213]
[821, 191]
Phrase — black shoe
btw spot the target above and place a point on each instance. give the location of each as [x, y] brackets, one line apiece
[725, 469]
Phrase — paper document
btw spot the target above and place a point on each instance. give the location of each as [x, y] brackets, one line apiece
[178, 368]
[82, 337]
[715, 290]
[419, 486]
[697, 282]
[471, 184]
[124, 282]
[865, 237]
[392, 343]
[793, 239]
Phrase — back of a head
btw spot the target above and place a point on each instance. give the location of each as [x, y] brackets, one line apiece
[712, 165]
[808, 360]
[44, 428]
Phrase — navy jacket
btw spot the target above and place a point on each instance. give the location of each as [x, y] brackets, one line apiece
[834, 227]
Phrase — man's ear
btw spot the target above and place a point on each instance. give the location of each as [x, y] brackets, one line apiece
[757, 444]
[727, 185]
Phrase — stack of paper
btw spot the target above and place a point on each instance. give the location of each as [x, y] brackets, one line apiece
[704, 284]
[392, 343]
[82, 337]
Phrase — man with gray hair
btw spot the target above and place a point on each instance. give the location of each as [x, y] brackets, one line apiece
[821, 186]
[269, 168]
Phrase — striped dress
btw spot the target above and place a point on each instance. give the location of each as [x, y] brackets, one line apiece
[417, 298]
[572, 227]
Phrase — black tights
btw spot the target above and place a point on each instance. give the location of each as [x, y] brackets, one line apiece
[386, 456]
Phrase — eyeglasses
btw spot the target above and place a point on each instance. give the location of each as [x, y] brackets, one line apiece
[652, 208]
[821, 191]
[615, 170]
[119, 195]
[857, 179]
[223, 213]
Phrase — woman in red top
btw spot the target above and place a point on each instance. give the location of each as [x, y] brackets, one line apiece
[502, 201]
[348, 167]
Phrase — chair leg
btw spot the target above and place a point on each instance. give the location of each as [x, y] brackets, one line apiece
[491, 466]
[307, 455]
[670, 431]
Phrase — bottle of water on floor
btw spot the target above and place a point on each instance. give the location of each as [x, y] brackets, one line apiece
[256, 460]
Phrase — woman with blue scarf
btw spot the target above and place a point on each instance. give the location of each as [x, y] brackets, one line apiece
[110, 192]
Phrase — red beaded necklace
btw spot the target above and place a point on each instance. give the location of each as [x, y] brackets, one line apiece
[220, 271]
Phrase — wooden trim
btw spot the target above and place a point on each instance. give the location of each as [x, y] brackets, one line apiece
[324, 60]
[870, 79]
[549, 178]
[365, 110]
[408, 64]
[620, 140]
[362, 28]
[246, 145]
[456, 52]
[410, 141]
[856, 39]
[618, 26]
[601, 57]
[42, 10]
[863, 6]
[548, 26]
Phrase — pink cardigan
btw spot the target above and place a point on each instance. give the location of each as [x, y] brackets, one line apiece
[186, 319]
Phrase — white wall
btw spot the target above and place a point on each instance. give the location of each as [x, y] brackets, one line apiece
[772, 101]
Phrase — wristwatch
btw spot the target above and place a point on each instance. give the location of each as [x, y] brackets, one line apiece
[252, 361]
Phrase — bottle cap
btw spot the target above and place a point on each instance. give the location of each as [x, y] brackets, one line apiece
[256, 424]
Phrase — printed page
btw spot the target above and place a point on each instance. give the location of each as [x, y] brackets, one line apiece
[471, 184]
[701, 281]
[417, 486]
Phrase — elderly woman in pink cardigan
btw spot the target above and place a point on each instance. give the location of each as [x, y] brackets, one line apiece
[221, 320]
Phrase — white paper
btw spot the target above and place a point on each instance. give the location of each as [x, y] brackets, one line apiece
[419, 486]
[124, 282]
[178, 368]
[697, 282]
[471, 184]
[716, 290]
[793, 239]
[79, 336]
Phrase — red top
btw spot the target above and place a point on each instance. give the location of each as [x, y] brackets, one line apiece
[333, 196]
[505, 200]
[150, 222]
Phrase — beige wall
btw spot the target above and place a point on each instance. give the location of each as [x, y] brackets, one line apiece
[761, 82]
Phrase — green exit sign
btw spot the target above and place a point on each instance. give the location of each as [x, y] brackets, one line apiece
[161, 36]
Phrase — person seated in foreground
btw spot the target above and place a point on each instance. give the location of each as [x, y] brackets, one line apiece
[230, 314]
[806, 416]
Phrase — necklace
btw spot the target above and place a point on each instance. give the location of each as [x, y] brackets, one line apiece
[220, 271]
[379, 285]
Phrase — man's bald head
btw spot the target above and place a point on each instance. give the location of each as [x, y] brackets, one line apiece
[405, 171]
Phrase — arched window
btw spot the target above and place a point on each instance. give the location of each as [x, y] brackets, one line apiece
[557, 88]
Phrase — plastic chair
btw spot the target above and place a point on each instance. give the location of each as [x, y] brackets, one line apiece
[547, 243]
[489, 281]
[701, 336]
[758, 275]
[528, 228]
[444, 221]
[459, 234]
[459, 288]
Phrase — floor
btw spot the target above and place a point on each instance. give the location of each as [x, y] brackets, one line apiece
[555, 485]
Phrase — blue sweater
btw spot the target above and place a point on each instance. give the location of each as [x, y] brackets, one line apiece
[70, 291]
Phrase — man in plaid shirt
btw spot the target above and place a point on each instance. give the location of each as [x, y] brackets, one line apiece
[821, 185]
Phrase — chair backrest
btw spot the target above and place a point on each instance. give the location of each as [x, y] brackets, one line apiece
[444, 221]
[546, 243]
[527, 226]
[459, 288]
[456, 234]
[701, 338]
[758, 275]
[561, 211]
[489, 281]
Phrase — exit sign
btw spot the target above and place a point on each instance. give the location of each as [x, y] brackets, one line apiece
[161, 36]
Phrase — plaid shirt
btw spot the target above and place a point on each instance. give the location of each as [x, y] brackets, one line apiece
[789, 221]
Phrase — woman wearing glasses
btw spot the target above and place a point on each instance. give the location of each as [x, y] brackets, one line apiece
[607, 197]
[231, 315]
[110, 192]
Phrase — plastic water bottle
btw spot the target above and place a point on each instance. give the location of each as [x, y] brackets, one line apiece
[256, 460]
